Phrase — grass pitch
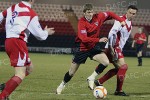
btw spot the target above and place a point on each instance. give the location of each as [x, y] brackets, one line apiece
[49, 71]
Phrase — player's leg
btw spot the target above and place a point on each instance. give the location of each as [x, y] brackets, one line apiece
[14, 82]
[74, 67]
[29, 69]
[139, 55]
[107, 76]
[121, 76]
[79, 58]
[110, 73]
[18, 54]
[103, 60]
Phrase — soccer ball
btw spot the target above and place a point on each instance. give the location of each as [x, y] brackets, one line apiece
[100, 92]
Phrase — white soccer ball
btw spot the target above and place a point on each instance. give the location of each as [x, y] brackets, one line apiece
[100, 92]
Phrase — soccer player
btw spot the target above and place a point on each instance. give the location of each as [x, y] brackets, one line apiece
[87, 42]
[118, 36]
[139, 39]
[21, 20]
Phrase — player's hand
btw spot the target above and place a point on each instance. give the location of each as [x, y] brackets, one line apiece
[123, 23]
[104, 39]
[50, 31]
[141, 38]
[113, 53]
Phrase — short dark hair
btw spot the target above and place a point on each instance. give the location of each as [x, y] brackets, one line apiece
[87, 6]
[133, 7]
[25, 0]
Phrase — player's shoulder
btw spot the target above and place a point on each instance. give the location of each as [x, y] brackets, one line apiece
[33, 13]
[101, 14]
[82, 20]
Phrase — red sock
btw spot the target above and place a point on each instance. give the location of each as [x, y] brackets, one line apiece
[11, 85]
[120, 76]
[108, 75]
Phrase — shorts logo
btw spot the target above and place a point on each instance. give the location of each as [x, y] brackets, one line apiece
[105, 14]
[96, 23]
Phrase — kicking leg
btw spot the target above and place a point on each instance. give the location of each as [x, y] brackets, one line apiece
[14, 82]
[106, 77]
[120, 77]
[74, 67]
[101, 58]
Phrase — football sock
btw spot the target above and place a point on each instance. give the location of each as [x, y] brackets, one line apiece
[10, 86]
[140, 59]
[100, 68]
[108, 75]
[120, 76]
[92, 77]
[67, 77]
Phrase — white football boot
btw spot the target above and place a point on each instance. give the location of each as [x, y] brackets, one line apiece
[60, 88]
[90, 83]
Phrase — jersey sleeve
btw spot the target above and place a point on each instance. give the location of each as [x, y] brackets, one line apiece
[3, 15]
[35, 28]
[82, 34]
[144, 36]
[110, 15]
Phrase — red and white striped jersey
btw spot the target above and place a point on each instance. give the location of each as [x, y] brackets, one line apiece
[118, 35]
[21, 20]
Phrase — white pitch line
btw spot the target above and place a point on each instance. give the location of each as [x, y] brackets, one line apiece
[142, 96]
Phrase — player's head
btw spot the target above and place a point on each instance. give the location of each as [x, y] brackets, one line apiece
[131, 12]
[30, 1]
[140, 29]
[88, 11]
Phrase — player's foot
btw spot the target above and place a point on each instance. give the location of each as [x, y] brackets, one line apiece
[60, 88]
[2, 86]
[97, 83]
[120, 93]
[90, 83]
[140, 64]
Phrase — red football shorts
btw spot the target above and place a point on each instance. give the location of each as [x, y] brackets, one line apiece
[17, 51]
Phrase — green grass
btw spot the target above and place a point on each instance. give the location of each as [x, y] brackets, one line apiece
[50, 69]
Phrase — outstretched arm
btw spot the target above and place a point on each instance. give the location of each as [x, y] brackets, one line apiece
[112, 15]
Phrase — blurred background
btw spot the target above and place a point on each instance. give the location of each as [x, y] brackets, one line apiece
[63, 15]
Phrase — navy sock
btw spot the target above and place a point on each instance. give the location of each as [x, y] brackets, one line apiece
[100, 68]
[67, 77]
[140, 59]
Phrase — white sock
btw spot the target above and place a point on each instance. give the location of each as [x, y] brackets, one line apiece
[94, 74]
[62, 83]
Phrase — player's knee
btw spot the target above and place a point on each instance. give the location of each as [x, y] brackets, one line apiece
[125, 66]
[106, 63]
[21, 75]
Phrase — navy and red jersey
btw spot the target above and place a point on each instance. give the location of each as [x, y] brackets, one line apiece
[137, 36]
[88, 31]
